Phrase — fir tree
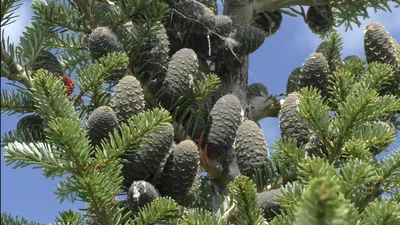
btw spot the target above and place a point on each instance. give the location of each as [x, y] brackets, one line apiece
[164, 115]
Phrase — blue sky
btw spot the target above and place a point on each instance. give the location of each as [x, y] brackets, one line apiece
[27, 193]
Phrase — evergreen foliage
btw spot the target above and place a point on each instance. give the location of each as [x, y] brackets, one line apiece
[119, 100]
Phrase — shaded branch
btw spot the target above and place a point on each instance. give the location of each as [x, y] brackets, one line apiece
[270, 5]
[348, 12]
[88, 14]
[16, 71]
[77, 47]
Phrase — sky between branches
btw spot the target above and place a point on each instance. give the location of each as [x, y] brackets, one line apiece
[27, 193]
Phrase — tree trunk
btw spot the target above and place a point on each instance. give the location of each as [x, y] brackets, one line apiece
[233, 72]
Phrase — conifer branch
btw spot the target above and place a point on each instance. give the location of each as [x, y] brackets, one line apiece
[159, 211]
[10, 220]
[98, 97]
[244, 193]
[85, 7]
[49, 95]
[331, 48]
[8, 8]
[361, 106]
[340, 84]
[390, 169]
[126, 138]
[16, 102]
[314, 111]
[73, 60]
[93, 76]
[206, 87]
[96, 74]
[285, 157]
[347, 11]
[291, 194]
[60, 15]
[32, 42]
[385, 211]
[321, 204]
[41, 155]
[356, 174]
[24, 136]
[17, 73]
[64, 130]
[70, 217]
[341, 185]
[201, 216]
[69, 40]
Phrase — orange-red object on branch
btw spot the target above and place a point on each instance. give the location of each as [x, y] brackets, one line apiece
[69, 84]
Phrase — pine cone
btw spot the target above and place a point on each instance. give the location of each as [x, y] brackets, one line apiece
[293, 81]
[211, 4]
[48, 61]
[315, 72]
[208, 45]
[140, 193]
[256, 89]
[191, 197]
[223, 25]
[153, 59]
[32, 124]
[320, 19]
[154, 147]
[192, 17]
[269, 22]
[249, 39]
[179, 172]
[182, 69]
[269, 202]
[101, 11]
[225, 118]
[101, 122]
[250, 147]
[378, 47]
[290, 124]
[103, 41]
[128, 98]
